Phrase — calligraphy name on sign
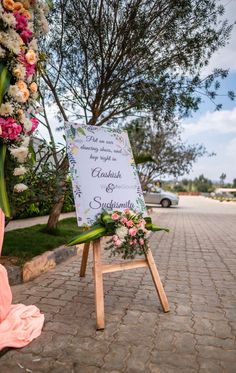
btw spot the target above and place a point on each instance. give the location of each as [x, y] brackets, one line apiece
[104, 176]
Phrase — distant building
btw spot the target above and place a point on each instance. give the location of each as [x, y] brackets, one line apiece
[227, 192]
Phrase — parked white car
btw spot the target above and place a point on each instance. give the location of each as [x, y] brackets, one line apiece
[160, 197]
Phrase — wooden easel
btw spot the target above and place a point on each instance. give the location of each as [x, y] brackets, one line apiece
[99, 269]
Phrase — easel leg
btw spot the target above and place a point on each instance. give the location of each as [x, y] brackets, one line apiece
[98, 279]
[84, 259]
[157, 281]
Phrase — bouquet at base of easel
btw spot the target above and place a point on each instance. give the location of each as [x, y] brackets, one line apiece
[128, 231]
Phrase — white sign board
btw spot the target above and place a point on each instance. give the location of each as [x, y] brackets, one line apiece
[103, 172]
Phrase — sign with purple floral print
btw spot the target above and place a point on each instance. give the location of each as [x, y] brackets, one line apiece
[104, 175]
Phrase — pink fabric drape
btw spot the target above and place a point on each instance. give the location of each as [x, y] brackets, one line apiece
[19, 324]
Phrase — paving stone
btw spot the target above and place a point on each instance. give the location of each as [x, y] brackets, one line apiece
[174, 359]
[217, 353]
[133, 334]
[116, 356]
[203, 326]
[184, 343]
[228, 366]
[226, 343]
[164, 368]
[164, 340]
[137, 360]
[183, 310]
[60, 328]
[209, 366]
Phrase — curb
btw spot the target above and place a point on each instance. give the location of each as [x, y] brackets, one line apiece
[40, 264]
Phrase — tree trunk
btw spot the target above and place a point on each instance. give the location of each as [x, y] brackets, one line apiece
[55, 214]
[57, 207]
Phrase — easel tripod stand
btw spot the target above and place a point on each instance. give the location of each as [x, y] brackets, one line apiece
[99, 269]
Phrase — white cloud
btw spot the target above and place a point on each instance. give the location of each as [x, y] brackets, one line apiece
[217, 131]
[231, 149]
[223, 122]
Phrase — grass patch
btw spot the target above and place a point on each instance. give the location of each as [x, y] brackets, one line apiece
[26, 243]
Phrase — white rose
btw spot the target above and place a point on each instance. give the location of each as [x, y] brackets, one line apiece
[15, 93]
[20, 188]
[20, 153]
[25, 141]
[19, 171]
[6, 109]
[27, 125]
[19, 71]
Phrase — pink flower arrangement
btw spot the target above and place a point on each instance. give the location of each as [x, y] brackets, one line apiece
[129, 238]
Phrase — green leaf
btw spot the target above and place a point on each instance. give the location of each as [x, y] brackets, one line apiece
[143, 158]
[5, 78]
[155, 228]
[92, 234]
[4, 203]
[32, 153]
[81, 131]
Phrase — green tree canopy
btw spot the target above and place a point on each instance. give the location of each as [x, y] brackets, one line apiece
[202, 184]
[159, 150]
[110, 59]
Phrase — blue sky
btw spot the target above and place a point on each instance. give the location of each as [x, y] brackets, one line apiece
[215, 130]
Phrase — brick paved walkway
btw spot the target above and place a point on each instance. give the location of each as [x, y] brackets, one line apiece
[197, 263]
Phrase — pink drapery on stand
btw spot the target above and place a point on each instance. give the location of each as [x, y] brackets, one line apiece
[19, 324]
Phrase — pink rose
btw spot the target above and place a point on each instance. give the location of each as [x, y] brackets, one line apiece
[142, 223]
[118, 242]
[141, 241]
[115, 216]
[133, 232]
[127, 211]
[130, 223]
[21, 21]
[135, 242]
[123, 220]
[35, 124]
[26, 35]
